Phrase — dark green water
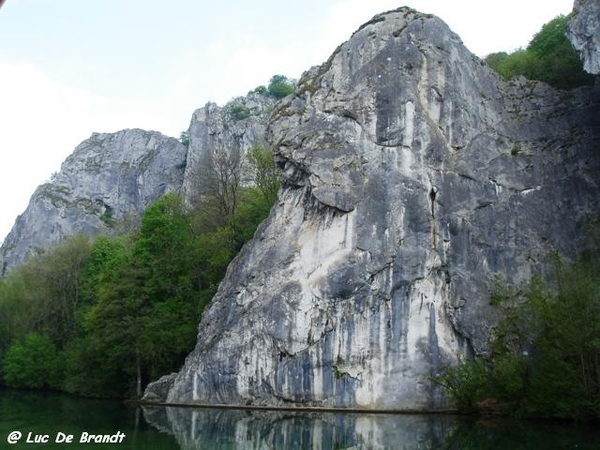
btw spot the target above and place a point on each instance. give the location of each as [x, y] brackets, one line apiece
[185, 428]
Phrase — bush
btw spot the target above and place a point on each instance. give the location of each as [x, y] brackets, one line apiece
[280, 87]
[184, 138]
[240, 112]
[466, 384]
[32, 363]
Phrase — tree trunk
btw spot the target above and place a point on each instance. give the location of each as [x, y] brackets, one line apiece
[138, 372]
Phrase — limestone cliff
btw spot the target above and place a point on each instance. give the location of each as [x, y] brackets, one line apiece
[224, 135]
[584, 32]
[412, 175]
[108, 178]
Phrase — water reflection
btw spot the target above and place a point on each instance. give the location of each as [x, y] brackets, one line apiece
[197, 429]
[191, 429]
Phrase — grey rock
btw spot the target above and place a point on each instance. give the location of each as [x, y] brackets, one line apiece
[583, 31]
[211, 428]
[413, 174]
[224, 132]
[111, 178]
[159, 389]
[108, 178]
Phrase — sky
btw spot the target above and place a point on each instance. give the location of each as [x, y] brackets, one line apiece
[72, 67]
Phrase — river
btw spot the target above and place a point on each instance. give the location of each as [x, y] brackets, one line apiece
[51, 421]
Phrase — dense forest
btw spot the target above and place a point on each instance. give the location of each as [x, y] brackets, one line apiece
[102, 317]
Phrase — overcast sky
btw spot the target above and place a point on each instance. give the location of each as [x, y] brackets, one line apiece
[71, 67]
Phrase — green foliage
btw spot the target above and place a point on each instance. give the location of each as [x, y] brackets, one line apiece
[261, 90]
[107, 218]
[280, 87]
[129, 304]
[545, 352]
[466, 384]
[549, 57]
[32, 363]
[264, 171]
[240, 112]
[184, 138]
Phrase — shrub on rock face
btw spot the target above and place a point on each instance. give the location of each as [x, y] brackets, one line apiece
[280, 86]
[240, 112]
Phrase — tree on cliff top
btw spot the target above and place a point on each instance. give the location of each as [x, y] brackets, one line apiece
[549, 57]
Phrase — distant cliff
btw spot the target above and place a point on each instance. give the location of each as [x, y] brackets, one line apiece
[111, 177]
[223, 135]
[108, 178]
[412, 175]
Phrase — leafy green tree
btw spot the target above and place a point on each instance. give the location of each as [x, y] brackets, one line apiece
[15, 311]
[261, 90]
[264, 171]
[32, 363]
[114, 325]
[143, 323]
[545, 352]
[280, 86]
[549, 57]
[49, 287]
[184, 138]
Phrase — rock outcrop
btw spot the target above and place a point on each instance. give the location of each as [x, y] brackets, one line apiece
[107, 179]
[412, 174]
[222, 136]
[583, 31]
[111, 178]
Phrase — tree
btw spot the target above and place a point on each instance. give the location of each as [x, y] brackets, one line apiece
[264, 172]
[549, 57]
[144, 321]
[280, 86]
[52, 285]
[184, 138]
[217, 183]
[544, 353]
[32, 363]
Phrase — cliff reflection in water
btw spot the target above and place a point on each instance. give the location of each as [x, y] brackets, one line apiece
[260, 429]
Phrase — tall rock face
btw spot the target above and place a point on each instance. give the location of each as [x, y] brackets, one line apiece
[412, 174]
[222, 136]
[108, 178]
[583, 31]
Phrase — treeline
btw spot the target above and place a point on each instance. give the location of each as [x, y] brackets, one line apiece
[549, 57]
[544, 358]
[103, 317]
